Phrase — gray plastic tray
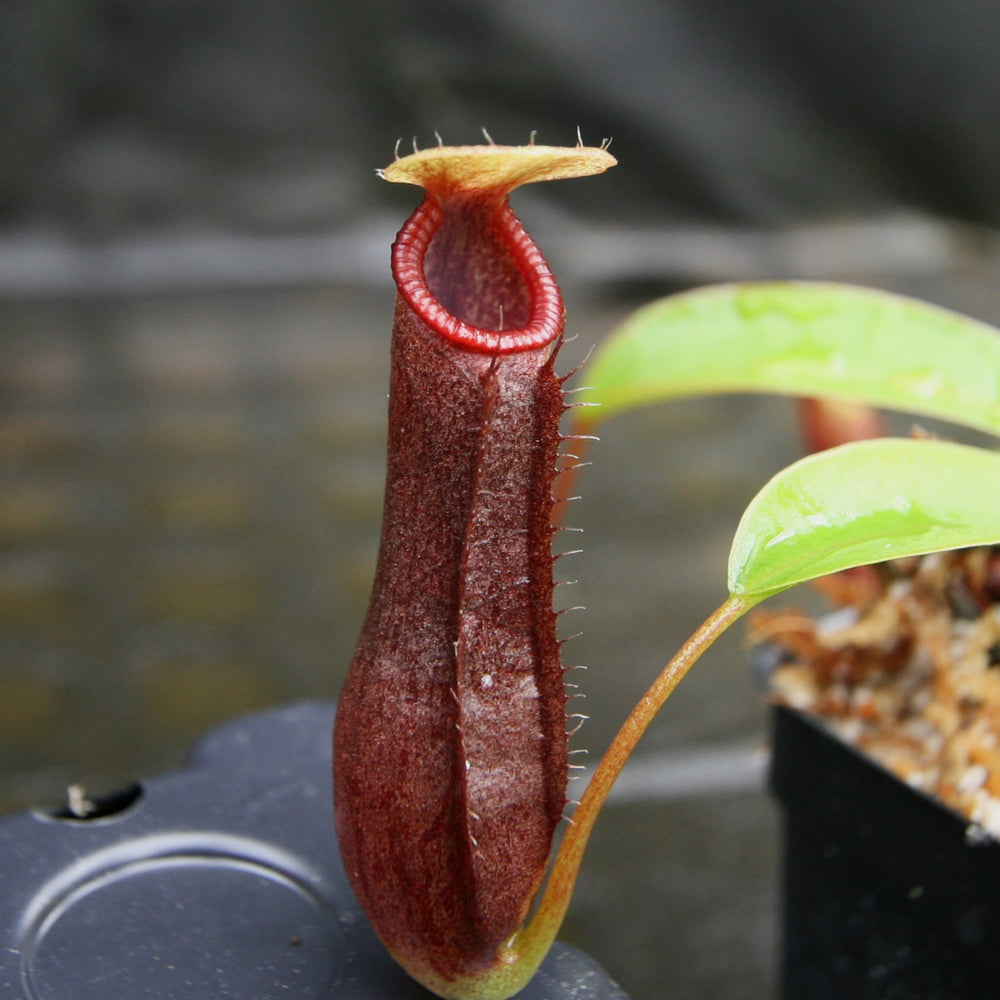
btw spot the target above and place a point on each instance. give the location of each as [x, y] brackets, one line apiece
[218, 881]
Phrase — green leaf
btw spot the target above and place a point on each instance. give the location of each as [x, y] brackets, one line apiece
[804, 339]
[861, 503]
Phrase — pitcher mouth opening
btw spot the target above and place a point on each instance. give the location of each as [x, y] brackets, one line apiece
[518, 307]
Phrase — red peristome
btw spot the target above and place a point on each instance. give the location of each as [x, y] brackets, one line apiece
[447, 251]
[450, 745]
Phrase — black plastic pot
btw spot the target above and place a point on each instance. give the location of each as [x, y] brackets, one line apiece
[219, 881]
[887, 894]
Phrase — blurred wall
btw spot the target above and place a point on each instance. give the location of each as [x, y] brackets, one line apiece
[125, 113]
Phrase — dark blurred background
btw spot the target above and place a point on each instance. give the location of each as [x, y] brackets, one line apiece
[125, 115]
[194, 315]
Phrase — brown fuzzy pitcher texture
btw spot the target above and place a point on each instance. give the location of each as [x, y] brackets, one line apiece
[450, 750]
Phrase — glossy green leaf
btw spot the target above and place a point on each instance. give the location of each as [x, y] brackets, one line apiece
[804, 339]
[861, 503]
